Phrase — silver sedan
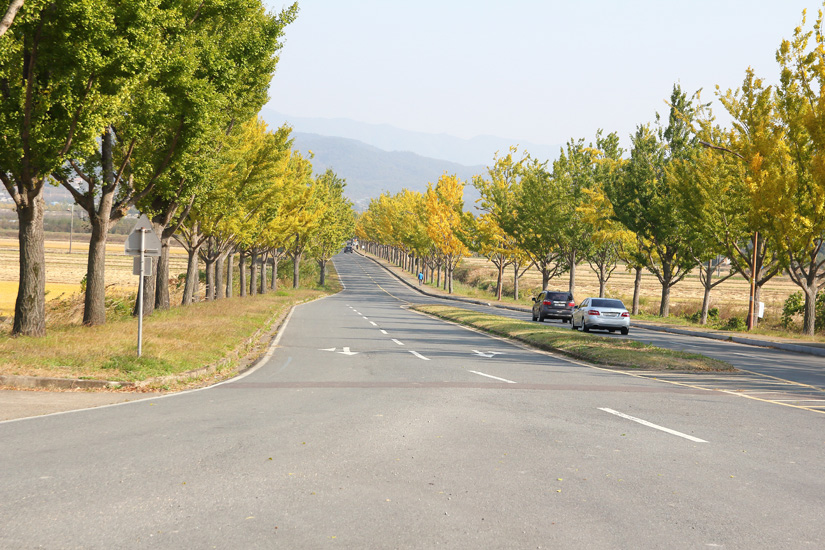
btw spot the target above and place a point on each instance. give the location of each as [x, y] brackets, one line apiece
[601, 313]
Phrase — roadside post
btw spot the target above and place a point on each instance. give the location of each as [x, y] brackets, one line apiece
[144, 244]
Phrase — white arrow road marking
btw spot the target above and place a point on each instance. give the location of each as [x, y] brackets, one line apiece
[397, 342]
[493, 377]
[419, 355]
[651, 425]
[345, 352]
[487, 354]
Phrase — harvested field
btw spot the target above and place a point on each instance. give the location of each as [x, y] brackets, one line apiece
[64, 271]
[730, 297]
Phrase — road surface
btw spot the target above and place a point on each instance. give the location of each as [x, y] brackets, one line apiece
[372, 426]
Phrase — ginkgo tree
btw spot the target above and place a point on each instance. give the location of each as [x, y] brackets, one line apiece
[444, 210]
[644, 202]
[799, 214]
[336, 224]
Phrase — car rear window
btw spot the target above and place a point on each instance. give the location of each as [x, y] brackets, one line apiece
[558, 296]
[603, 302]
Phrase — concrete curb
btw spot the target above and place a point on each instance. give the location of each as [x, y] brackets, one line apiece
[796, 348]
[42, 382]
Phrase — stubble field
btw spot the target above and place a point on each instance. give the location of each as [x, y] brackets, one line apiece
[64, 270]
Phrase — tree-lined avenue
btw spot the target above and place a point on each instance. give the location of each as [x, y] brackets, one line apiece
[380, 448]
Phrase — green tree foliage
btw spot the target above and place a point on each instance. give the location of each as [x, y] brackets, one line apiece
[644, 202]
[64, 68]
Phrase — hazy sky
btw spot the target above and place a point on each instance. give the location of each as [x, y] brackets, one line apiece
[542, 71]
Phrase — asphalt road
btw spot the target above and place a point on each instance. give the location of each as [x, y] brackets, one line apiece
[372, 426]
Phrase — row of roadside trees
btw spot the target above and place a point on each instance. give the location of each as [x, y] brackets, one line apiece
[152, 105]
[687, 192]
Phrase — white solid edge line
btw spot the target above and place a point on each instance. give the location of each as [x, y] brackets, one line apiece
[419, 355]
[258, 364]
[397, 342]
[493, 377]
[652, 425]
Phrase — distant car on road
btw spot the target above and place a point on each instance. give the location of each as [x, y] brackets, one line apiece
[601, 313]
[348, 248]
[553, 304]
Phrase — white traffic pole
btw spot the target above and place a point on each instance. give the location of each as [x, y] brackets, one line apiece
[140, 290]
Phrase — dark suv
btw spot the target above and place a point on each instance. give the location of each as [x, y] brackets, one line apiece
[552, 304]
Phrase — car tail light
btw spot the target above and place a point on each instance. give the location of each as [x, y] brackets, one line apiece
[593, 312]
[625, 314]
[547, 303]
[571, 304]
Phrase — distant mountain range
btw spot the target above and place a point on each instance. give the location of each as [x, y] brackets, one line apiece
[469, 152]
[369, 171]
[374, 158]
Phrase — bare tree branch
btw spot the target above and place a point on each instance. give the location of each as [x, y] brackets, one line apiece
[8, 19]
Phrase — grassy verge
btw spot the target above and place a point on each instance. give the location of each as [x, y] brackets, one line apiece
[611, 352]
[222, 334]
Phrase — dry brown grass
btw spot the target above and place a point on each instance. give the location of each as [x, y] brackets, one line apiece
[174, 341]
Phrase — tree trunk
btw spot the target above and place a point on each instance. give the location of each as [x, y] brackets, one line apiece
[664, 305]
[242, 271]
[274, 285]
[220, 283]
[602, 280]
[637, 290]
[30, 307]
[296, 270]
[253, 273]
[94, 302]
[210, 280]
[263, 273]
[809, 320]
[322, 266]
[8, 17]
[162, 300]
[708, 286]
[515, 280]
[500, 280]
[571, 286]
[230, 273]
[191, 277]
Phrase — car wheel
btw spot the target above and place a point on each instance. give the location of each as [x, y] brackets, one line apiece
[572, 324]
[585, 328]
[534, 316]
[541, 318]
[625, 331]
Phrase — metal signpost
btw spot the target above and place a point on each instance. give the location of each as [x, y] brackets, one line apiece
[143, 243]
